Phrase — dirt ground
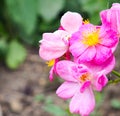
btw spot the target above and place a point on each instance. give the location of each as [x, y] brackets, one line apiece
[18, 89]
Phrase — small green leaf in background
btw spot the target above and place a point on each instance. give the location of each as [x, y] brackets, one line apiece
[49, 9]
[24, 13]
[55, 110]
[39, 98]
[16, 54]
[115, 103]
[99, 97]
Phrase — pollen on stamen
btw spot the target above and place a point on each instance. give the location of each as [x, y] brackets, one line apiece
[86, 21]
[50, 63]
[91, 37]
[84, 77]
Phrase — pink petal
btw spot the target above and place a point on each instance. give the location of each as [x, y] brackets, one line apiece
[71, 21]
[83, 103]
[88, 55]
[104, 68]
[76, 37]
[108, 38]
[102, 54]
[51, 73]
[85, 85]
[52, 46]
[51, 53]
[77, 48]
[61, 34]
[66, 70]
[99, 82]
[111, 18]
[67, 90]
[105, 17]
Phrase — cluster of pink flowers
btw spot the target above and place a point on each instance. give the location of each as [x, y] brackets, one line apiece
[82, 55]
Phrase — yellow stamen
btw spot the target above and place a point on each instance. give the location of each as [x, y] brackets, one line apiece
[86, 21]
[50, 63]
[84, 77]
[91, 38]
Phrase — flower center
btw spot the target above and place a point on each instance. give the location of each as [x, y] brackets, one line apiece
[50, 63]
[91, 37]
[84, 77]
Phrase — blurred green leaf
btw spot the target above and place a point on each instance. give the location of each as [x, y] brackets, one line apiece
[110, 2]
[49, 9]
[2, 30]
[115, 103]
[39, 97]
[49, 26]
[24, 13]
[99, 97]
[55, 110]
[93, 8]
[49, 100]
[72, 5]
[69, 113]
[3, 47]
[16, 54]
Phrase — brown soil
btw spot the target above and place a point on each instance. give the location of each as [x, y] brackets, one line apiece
[18, 89]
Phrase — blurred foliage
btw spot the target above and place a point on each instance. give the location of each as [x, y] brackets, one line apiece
[115, 103]
[112, 1]
[16, 54]
[52, 108]
[26, 20]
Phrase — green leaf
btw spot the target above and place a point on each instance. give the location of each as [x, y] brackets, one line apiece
[39, 97]
[115, 103]
[93, 8]
[24, 13]
[55, 110]
[72, 5]
[3, 47]
[49, 26]
[16, 54]
[49, 9]
[110, 2]
[49, 100]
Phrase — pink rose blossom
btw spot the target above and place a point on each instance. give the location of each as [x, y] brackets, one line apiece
[80, 81]
[93, 43]
[111, 18]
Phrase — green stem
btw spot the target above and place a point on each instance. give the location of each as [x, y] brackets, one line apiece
[114, 81]
[116, 73]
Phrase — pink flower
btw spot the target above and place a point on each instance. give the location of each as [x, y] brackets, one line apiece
[55, 45]
[80, 81]
[71, 22]
[111, 18]
[93, 43]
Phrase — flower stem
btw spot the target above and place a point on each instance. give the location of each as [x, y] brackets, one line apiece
[115, 80]
[116, 73]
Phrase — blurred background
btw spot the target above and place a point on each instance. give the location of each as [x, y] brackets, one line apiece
[25, 89]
